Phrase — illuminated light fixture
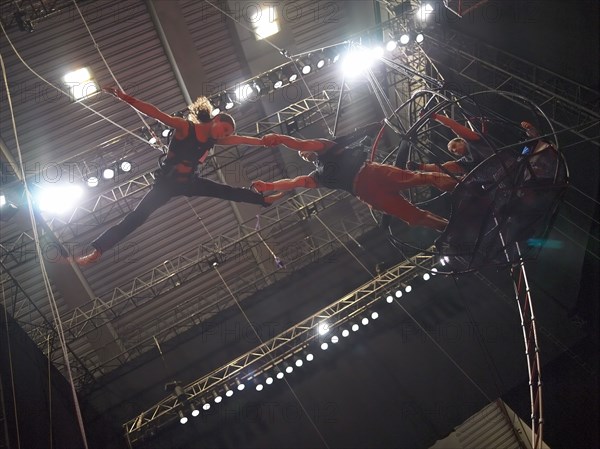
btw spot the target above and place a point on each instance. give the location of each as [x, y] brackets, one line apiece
[323, 328]
[167, 131]
[408, 289]
[299, 363]
[216, 111]
[260, 86]
[225, 102]
[334, 339]
[426, 276]
[80, 84]
[391, 45]
[59, 199]
[125, 166]
[259, 387]
[305, 68]
[195, 411]
[333, 54]
[228, 392]
[374, 315]
[358, 60]
[108, 173]
[290, 73]
[377, 52]
[92, 181]
[2, 200]
[355, 327]
[205, 405]
[279, 375]
[398, 293]
[424, 11]
[364, 321]
[182, 418]
[240, 386]
[324, 346]
[310, 357]
[218, 398]
[269, 380]
[277, 79]
[419, 37]
[434, 271]
[289, 369]
[321, 60]
[245, 92]
[345, 333]
[389, 299]
[404, 39]
[265, 22]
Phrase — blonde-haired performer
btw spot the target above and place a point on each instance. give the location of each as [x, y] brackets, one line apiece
[177, 176]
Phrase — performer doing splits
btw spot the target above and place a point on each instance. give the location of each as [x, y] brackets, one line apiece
[339, 166]
[177, 175]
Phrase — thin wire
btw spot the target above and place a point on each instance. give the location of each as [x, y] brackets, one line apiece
[281, 52]
[262, 343]
[47, 285]
[10, 363]
[49, 365]
[66, 94]
[342, 243]
[97, 47]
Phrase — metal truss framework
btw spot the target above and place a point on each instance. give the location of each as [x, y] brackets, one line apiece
[271, 353]
[570, 105]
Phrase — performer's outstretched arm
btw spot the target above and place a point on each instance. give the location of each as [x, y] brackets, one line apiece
[282, 185]
[180, 125]
[457, 128]
[315, 145]
[241, 140]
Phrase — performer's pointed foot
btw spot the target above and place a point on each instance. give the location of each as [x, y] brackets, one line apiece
[89, 259]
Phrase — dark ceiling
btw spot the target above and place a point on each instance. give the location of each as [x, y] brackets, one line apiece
[405, 381]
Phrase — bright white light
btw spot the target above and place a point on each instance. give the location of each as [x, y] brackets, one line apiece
[398, 293]
[195, 412]
[240, 387]
[229, 104]
[434, 271]
[355, 327]
[80, 83]
[357, 61]
[320, 63]
[424, 11]
[293, 77]
[183, 420]
[334, 339]
[446, 258]
[245, 92]
[389, 299]
[213, 113]
[92, 181]
[279, 375]
[426, 276]
[269, 380]
[166, 132]
[419, 38]
[345, 333]
[206, 406]
[378, 52]
[374, 315]
[108, 173]
[365, 321]
[299, 363]
[125, 166]
[152, 140]
[289, 369]
[59, 199]
[391, 45]
[404, 39]
[229, 393]
[324, 346]
[323, 328]
[264, 21]
[2, 200]
[408, 289]
[306, 69]
[218, 399]
[259, 387]
[442, 261]
[309, 357]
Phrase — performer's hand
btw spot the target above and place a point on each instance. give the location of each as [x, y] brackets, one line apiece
[271, 140]
[259, 186]
[412, 165]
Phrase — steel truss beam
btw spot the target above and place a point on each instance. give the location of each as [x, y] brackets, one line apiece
[279, 348]
[569, 104]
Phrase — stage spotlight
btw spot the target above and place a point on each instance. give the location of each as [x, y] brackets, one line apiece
[345, 333]
[335, 339]
[374, 315]
[408, 289]
[194, 410]
[125, 166]
[323, 328]
[299, 363]
[216, 111]
[419, 38]
[269, 380]
[426, 276]
[391, 45]
[218, 398]
[92, 181]
[364, 321]
[434, 271]
[108, 173]
[389, 299]
[404, 38]
[324, 346]
[398, 293]
[59, 199]
[167, 131]
[290, 73]
[205, 405]
[310, 357]
[259, 387]
[240, 385]
[228, 391]
[320, 60]
[245, 92]
[289, 369]
[355, 327]
[279, 375]
[305, 67]
[277, 79]
[182, 418]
